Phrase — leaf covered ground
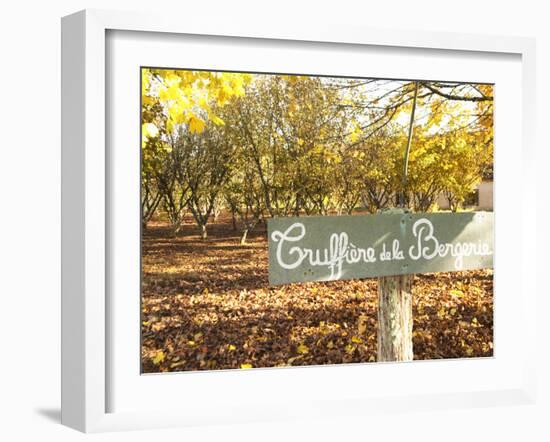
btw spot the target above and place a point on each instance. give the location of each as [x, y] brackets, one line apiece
[206, 305]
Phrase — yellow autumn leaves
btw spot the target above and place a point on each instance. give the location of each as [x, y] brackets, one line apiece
[186, 97]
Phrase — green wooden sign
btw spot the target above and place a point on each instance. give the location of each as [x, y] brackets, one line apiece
[326, 248]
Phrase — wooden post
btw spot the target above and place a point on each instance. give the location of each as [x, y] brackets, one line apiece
[395, 321]
[395, 318]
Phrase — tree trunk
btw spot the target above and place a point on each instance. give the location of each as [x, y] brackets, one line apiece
[395, 318]
[233, 221]
[176, 228]
[243, 238]
[204, 234]
[175, 222]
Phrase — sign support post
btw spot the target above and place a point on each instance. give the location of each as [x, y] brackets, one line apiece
[395, 317]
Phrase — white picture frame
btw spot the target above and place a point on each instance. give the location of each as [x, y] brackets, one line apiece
[86, 356]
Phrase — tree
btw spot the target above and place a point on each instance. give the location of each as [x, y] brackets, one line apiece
[208, 158]
[153, 154]
[291, 128]
[176, 102]
[244, 197]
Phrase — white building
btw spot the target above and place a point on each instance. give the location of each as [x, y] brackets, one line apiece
[483, 199]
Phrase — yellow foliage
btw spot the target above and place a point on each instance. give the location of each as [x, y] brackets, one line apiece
[196, 125]
[186, 97]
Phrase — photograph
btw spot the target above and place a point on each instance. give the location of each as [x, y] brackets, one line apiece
[299, 222]
[292, 219]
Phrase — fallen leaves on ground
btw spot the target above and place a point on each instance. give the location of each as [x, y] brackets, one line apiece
[206, 305]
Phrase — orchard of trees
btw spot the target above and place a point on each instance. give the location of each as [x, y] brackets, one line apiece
[258, 146]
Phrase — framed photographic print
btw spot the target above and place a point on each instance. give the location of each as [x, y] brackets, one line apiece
[287, 223]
